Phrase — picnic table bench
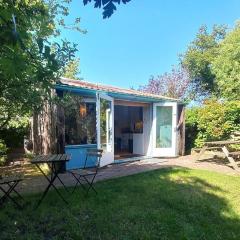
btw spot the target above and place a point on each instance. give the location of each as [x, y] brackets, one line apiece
[233, 154]
[222, 145]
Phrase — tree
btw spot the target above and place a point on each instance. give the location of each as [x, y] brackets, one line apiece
[226, 65]
[199, 57]
[72, 69]
[109, 6]
[175, 84]
[31, 60]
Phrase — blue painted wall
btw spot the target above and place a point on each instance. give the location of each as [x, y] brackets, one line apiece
[78, 156]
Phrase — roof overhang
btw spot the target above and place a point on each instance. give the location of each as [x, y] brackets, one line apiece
[119, 96]
[82, 88]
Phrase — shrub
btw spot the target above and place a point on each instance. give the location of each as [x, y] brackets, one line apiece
[3, 152]
[14, 132]
[191, 128]
[214, 120]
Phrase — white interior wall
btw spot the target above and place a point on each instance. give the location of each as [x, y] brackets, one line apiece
[142, 143]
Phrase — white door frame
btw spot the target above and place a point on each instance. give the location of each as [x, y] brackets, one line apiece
[165, 152]
[108, 153]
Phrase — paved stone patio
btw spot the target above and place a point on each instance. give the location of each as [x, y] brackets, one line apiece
[38, 183]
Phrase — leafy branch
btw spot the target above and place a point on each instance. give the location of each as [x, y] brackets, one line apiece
[108, 6]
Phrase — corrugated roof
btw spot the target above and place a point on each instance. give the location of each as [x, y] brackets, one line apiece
[110, 89]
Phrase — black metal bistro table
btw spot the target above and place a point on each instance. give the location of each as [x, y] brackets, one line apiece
[56, 163]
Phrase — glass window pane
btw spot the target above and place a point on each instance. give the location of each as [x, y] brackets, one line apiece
[80, 121]
[164, 127]
[105, 130]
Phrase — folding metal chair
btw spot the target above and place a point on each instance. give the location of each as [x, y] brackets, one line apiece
[87, 174]
[10, 177]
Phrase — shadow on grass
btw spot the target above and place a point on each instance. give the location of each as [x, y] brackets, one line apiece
[215, 159]
[162, 204]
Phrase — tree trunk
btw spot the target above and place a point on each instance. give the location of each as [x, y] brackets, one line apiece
[43, 130]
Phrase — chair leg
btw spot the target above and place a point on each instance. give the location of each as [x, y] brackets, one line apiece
[7, 195]
[60, 180]
[16, 192]
[78, 181]
[90, 183]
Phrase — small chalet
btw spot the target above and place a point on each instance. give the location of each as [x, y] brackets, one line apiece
[127, 124]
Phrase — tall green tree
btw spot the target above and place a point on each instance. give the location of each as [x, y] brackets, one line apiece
[226, 65]
[199, 57]
[31, 59]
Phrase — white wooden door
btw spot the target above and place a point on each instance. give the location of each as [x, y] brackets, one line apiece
[105, 127]
[164, 129]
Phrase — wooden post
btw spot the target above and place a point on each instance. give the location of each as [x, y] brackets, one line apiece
[34, 133]
[181, 130]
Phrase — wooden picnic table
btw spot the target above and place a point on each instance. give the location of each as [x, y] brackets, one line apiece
[222, 145]
[56, 163]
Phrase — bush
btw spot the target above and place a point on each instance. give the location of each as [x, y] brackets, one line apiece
[3, 152]
[191, 128]
[13, 134]
[213, 121]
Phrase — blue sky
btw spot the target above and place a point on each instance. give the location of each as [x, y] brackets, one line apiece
[142, 38]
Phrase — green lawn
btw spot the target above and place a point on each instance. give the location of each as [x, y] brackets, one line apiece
[162, 204]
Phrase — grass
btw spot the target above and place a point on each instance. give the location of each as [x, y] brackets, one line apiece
[163, 204]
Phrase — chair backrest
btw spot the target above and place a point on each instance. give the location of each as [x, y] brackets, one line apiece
[95, 154]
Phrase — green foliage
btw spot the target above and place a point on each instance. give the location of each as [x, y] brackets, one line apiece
[72, 69]
[3, 152]
[191, 128]
[191, 116]
[19, 122]
[213, 61]
[13, 133]
[226, 65]
[30, 60]
[199, 56]
[108, 6]
[14, 137]
[213, 121]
